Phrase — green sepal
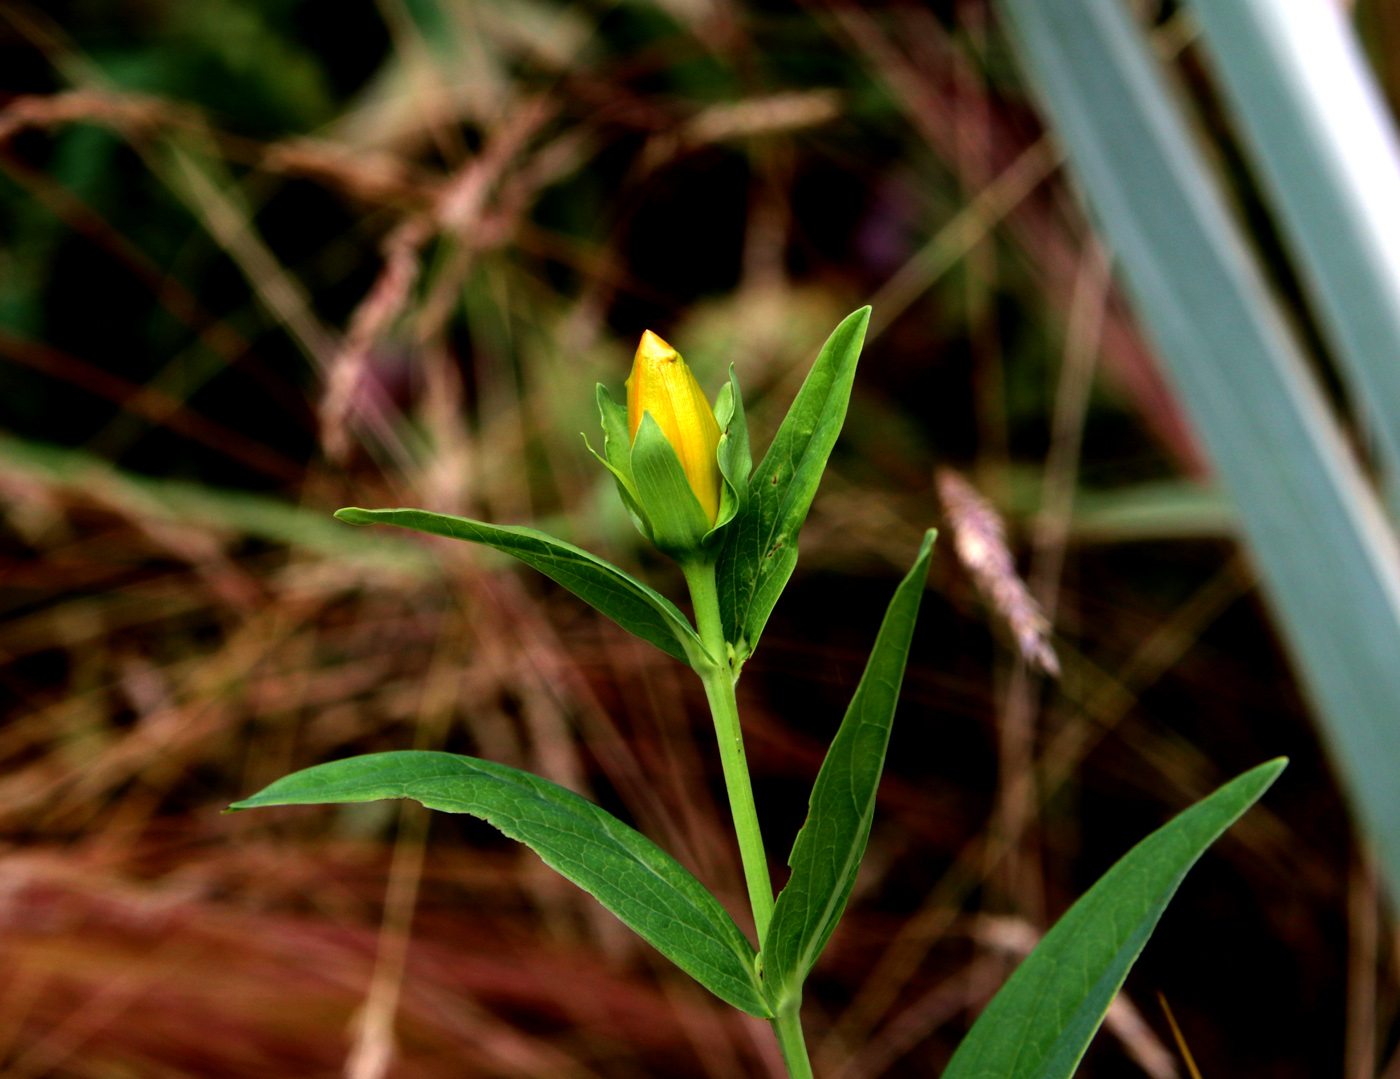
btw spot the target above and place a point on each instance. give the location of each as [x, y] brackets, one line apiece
[735, 460]
[617, 458]
[678, 523]
[630, 875]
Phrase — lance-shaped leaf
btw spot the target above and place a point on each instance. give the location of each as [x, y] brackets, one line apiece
[828, 850]
[625, 871]
[631, 604]
[1042, 1021]
[761, 548]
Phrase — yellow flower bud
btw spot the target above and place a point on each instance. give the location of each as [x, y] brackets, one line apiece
[662, 384]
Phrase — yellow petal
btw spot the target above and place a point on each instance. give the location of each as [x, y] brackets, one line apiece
[662, 384]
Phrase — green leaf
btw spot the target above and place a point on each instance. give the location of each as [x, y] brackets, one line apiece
[678, 524]
[631, 604]
[828, 850]
[1042, 1021]
[1324, 139]
[761, 548]
[625, 871]
[1328, 562]
[735, 460]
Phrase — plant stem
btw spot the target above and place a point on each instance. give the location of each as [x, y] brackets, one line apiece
[719, 691]
[788, 1026]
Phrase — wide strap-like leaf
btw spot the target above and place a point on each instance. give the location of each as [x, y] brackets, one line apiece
[761, 548]
[629, 874]
[1042, 1021]
[828, 850]
[620, 596]
[1327, 557]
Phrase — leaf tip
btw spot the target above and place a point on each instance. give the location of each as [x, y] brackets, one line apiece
[1261, 777]
[354, 515]
[859, 318]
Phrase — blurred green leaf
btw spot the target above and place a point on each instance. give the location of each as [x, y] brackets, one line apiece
[631, 604]
[630, 875]
[761, 549]
[1041, 1022]
[1325, 142]
[827, 853]
[207, 507]
[1160, 510]
[1328, 561]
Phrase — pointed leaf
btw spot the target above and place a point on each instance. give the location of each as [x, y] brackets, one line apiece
[1328, 560]
[1042, 1021]
[828, 850]
[631, 604]
[629, 874]
[761, 549]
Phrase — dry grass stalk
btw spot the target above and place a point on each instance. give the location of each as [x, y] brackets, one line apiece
[979, 538]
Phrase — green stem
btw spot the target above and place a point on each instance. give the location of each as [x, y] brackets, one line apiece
[719, 691]
[788, 1026]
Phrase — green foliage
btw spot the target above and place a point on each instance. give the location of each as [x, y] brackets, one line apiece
[1289, 70]
[1042, 1021]
[761, 549]
[629, 874]
[631, 604]
[1327, 558]
[826, 855]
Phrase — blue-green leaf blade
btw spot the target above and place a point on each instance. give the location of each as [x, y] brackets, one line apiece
[826, 856]
[630, 875]
[620, 596]
[1041, 1022]
[1328, 560]
[1318, 127]
[761, 548]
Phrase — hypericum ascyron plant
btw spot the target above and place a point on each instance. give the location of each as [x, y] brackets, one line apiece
[686, 476]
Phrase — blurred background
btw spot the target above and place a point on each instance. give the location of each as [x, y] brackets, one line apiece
[260, 259]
